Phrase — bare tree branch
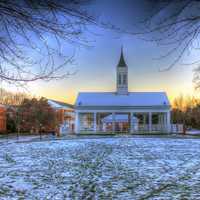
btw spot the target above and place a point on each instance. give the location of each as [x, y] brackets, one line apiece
[176, 24]
[31, 37]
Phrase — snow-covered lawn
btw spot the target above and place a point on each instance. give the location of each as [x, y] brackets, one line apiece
[115, 168]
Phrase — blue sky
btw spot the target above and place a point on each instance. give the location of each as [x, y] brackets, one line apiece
[96, 68]
[96, 65]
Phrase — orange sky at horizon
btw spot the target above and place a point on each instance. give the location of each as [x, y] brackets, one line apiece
[69, 96]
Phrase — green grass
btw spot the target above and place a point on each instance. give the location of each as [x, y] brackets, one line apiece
[119, 133]
[96, 134]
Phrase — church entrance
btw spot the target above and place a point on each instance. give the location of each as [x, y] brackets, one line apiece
[122, 122]
[119, 123]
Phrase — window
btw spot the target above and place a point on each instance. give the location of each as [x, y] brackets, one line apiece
[124, 79]
[119, 79]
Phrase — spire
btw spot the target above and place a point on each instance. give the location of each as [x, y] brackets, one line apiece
[122, 76]
[122, 62]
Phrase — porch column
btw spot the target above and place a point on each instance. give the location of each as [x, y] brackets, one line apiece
[168, 122]
[113, 122]
[160, 121]
[95, 122]
[144, 122]
[165, 121]
[144, 118]
[77, 123]
[150, 122]
[131, 123]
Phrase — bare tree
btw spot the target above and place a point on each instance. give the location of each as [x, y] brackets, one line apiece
[31, 37]
[176, 24]
[186, 110]
[32, 33]
[12, 98]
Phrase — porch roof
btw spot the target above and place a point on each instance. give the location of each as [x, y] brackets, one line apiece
[133, 99]
[60, 105]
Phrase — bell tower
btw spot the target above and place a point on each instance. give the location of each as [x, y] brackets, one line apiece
[122, 76]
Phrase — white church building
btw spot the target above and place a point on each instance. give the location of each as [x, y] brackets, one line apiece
[122, 111]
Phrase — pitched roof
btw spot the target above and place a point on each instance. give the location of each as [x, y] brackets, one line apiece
[59, 104]
[113, 99]
[122, 62]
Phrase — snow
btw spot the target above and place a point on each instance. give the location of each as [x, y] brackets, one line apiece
[106, 168]
[54, 105]
[193, 132]
[58, 105]
[132, 99]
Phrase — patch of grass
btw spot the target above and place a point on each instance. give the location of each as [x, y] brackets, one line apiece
[8, 158]
[96, 134]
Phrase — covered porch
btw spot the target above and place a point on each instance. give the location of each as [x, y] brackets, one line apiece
[134, 122]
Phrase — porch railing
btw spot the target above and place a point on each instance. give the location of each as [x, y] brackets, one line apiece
[141, 128]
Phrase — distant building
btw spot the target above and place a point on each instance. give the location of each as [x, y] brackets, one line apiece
[65, 115]
[2, 119]
[122, 111]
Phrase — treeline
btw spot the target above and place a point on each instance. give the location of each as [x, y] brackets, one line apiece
[25, 113]
[31, 116]
[12, 98]
[186, 111]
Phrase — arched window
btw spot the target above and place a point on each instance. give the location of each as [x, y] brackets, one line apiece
[119, 79]
[124, 79]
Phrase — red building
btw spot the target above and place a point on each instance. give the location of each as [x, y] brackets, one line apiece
[2, 119]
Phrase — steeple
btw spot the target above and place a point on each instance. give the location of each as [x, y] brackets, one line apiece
[122, 62]
[122, 76]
